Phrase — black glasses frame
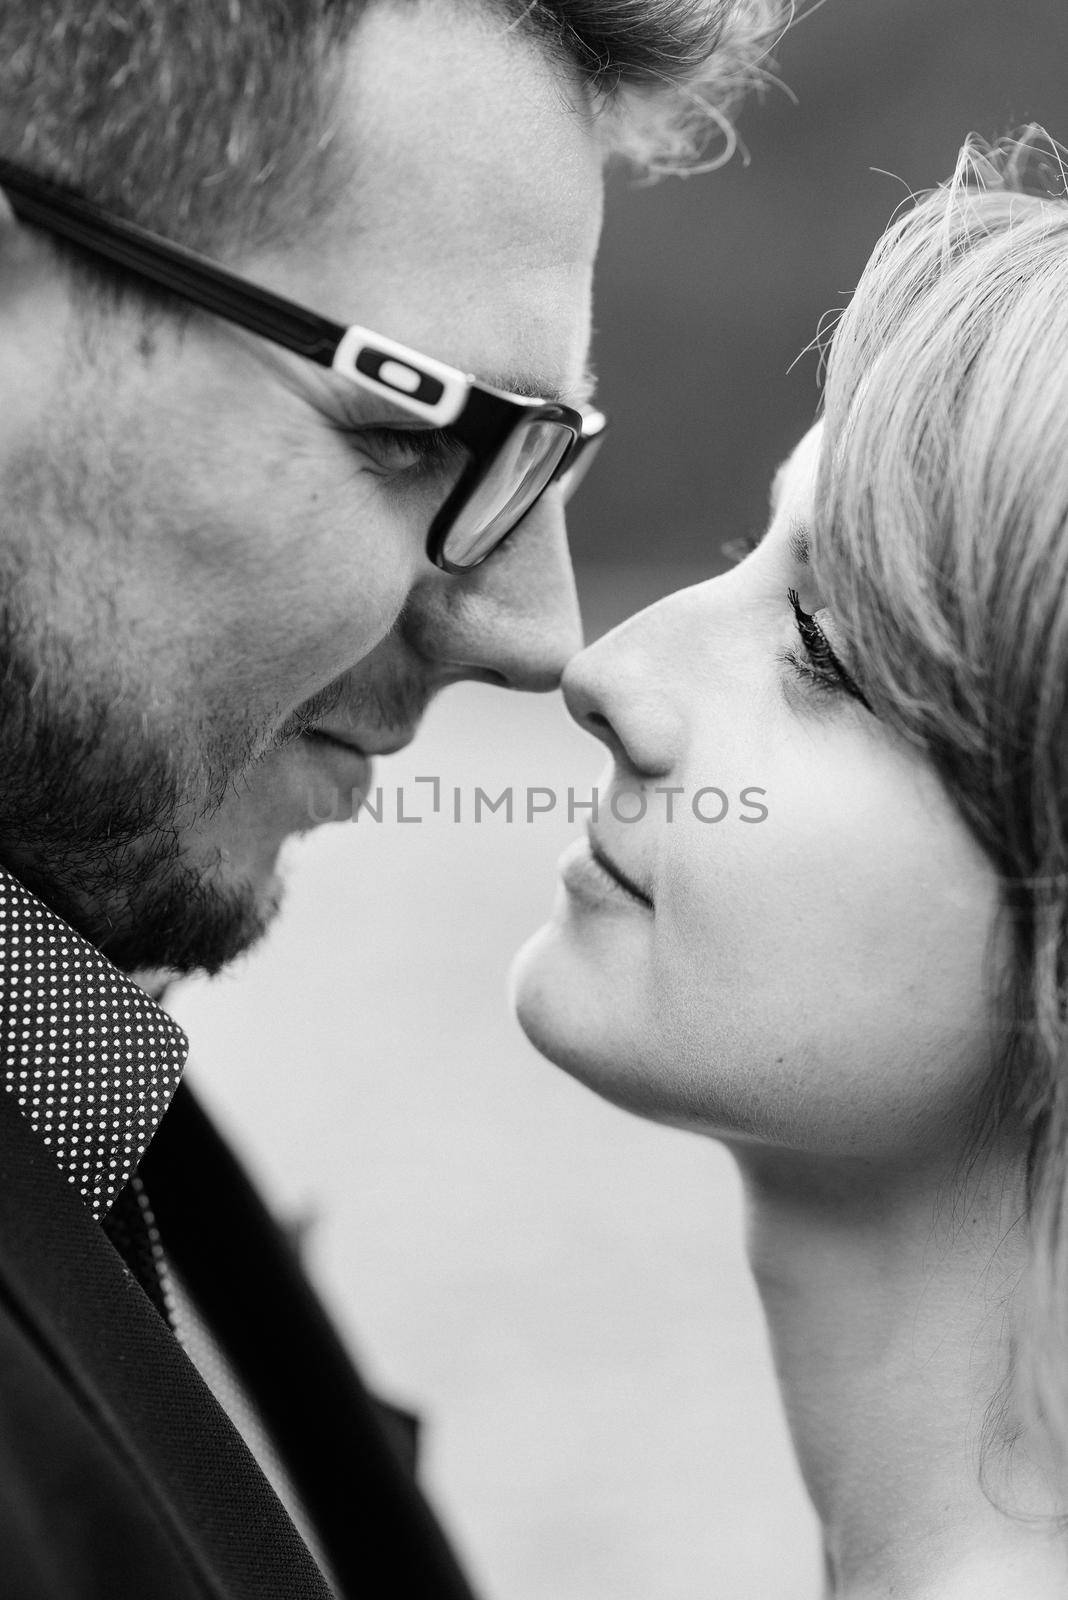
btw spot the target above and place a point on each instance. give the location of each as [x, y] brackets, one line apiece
[479, 416]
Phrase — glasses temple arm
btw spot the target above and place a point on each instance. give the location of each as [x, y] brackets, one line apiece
[170, 266]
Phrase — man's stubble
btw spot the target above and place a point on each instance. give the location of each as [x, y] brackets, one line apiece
[102, 791]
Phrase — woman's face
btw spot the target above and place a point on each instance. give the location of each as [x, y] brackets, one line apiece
[811, 969]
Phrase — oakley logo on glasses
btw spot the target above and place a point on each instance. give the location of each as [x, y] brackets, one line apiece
[425, 388]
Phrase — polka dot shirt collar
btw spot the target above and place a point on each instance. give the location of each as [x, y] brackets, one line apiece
[90, 1058]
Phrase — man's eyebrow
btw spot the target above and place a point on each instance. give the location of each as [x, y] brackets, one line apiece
[576, 394]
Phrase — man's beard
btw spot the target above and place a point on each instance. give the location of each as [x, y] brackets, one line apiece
[95, 802]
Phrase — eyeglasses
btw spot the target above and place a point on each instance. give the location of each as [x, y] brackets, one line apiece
[513, 446]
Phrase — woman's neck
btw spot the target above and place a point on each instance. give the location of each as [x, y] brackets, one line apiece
[888, 1298]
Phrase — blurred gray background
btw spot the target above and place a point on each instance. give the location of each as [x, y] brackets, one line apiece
[560, 1288]
[709, 288]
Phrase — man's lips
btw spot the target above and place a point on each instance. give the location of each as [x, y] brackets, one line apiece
[349, 764]
[615, 871]
[381, 742]
[321, 737]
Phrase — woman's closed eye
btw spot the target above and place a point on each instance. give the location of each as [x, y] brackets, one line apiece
[816, 663]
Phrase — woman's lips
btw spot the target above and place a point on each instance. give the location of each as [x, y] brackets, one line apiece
[603, 859]
[590, 874]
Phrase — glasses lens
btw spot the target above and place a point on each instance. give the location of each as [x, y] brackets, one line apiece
[583, 461]
[516, 477]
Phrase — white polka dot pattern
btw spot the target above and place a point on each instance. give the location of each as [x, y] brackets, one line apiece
[90, 1058]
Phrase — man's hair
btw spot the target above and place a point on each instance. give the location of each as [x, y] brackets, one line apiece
[208, 120]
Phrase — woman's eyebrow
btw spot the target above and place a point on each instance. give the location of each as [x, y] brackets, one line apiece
[799, 544]
[798, 540]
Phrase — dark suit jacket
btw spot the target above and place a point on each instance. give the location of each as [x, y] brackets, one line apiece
[120, 1476]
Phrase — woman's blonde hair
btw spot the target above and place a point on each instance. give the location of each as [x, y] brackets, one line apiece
[941, 545]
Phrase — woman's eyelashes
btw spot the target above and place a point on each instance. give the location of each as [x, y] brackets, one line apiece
[817, 664]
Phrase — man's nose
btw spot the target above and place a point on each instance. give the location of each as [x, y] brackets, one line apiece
[514, 620]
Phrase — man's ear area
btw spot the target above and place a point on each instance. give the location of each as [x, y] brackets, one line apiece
[25, 254]
[13, 243]
[37, 349]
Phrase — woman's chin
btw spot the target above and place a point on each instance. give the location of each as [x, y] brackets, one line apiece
[534, 994]
[574, 1015]
[557, 1004]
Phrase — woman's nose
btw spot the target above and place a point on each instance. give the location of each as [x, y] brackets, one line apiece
[583, 690]
[628, 690]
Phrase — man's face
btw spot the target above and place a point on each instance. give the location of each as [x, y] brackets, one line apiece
[201, 557]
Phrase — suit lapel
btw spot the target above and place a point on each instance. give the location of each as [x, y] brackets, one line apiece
[133, 1381]
[247, 1280]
